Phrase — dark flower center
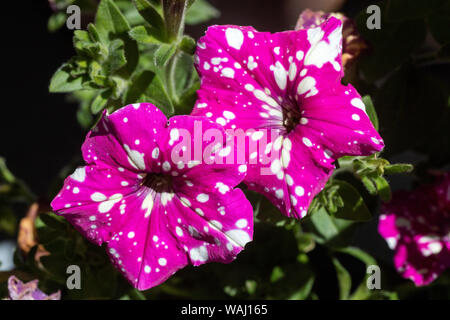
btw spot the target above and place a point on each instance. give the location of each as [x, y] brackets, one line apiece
[158, 182]
[291, 116]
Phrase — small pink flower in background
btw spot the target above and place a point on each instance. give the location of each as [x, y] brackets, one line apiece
[353, 44]
[28, 291]
[416, 225]
[155, 214]
[290, 83]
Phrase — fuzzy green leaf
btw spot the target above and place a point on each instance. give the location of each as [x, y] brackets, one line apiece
[384, 190]
[100, 101]
[116, 57]
[398, 168]
[62, 81]
[344, 279]
[354, 207]
[109, 21]
[56, 21]
[164, 53]
[149, 13]
[142, 35]
[187, 44]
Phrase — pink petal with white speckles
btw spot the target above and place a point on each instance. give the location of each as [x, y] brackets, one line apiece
[288, 82]
[127, 139]
[416, 225]
[138, 201]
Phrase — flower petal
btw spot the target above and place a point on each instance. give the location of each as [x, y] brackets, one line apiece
[122, 139]
[285, 83]
[153, 230]
[416, 226]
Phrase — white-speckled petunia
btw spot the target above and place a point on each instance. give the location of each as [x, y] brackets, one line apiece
[155, 211]
[416, 225]
[288, 83]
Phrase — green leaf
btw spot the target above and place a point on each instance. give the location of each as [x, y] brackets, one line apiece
[251, 285]
[8, 221]
[136, 294]
[100, 101]
[277, 274]
[370, 185]
[146, 86]
[370, 110]
[139, 85]
[201, 11]
[344, 279]
[361, 292]
[109, 21]
[62, 81]
[5, 174]
[142, 35]
[398, 168]
[149, 13]
[53, 221]
[164, 53]
[116, 57]
[93, 33]
[384, 190]
[56, 21]
[305, 242]
[187, 44]
[184, 76]
[304, 290]
[354, 206]
[327, 227]
[359, 254]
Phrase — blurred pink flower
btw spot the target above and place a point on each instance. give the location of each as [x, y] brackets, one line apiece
[417, 226]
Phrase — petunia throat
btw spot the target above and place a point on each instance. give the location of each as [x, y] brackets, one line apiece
[158, 182]
[291, 115]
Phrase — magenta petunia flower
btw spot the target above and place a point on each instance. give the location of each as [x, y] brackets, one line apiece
[28, 291]
[353, 45]
[417, 226]
[148, 194]
[284, 90]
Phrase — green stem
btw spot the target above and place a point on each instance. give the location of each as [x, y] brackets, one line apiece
[174, 12]
[170, 78]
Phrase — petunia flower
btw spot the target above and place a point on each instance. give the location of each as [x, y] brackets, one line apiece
[287, 88]
[28, 291]
[353, 45]
[416, 225]
[156, 212]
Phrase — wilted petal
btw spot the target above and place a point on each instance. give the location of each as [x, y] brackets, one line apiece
[28, 291]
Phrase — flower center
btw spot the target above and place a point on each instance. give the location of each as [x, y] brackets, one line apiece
[158, 182]
[291, 116]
